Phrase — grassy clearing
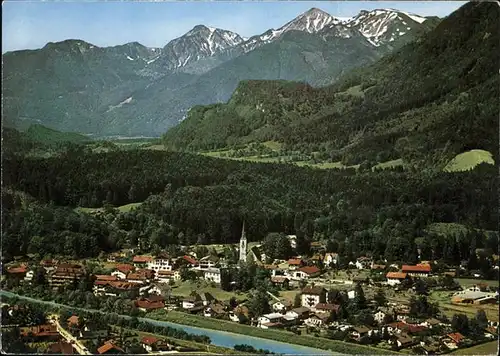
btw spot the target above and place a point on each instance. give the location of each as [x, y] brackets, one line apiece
[444, 300]
[468, 160]
[467, 282]
[277, 335]
[274, 145]
[389, 164]
[122, 209]
[446, 228]
[185, 288]
[489, 348]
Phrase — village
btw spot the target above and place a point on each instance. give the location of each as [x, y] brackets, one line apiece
[405, 308]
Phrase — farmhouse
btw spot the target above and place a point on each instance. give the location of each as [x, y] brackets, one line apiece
[420, 270]
[121, 271]
[394, 278]
[305, 272]
[364, 262]
[150, 303]
[141, 261]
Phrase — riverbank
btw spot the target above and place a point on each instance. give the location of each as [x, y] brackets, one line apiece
[218, 338]
[336, 346]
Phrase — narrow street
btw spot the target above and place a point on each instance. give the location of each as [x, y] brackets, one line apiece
[77, 345]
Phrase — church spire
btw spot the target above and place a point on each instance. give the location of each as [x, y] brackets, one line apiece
[243, 244]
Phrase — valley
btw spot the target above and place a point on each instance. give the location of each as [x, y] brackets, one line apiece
[327, 186]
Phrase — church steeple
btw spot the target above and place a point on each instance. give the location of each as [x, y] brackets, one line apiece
[243, 244]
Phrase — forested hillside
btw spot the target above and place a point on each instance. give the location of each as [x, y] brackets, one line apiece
[431, 100]
[194, 199]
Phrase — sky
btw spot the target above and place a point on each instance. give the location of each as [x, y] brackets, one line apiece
[31, 24]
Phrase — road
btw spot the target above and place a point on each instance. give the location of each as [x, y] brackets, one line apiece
[77, 345]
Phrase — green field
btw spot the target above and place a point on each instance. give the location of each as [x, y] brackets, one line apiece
[183, 289]
[277, 335]
[468, 160]
[489, 348]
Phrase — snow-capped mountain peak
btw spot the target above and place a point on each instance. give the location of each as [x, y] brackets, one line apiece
[313, 20]
[384, 25]
[200, 42]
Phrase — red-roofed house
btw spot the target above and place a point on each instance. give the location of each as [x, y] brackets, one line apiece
[151, 344]
[152, 303]
[17, 273]
[109, 348]
[453, 340]
[40, 332]
[305, 272]
[394, 278]
[141, 261]
[420, 270]
[294, 263]
[73, 320]
[121, 271]
[105, 277]
[190, 260]
[326, 308]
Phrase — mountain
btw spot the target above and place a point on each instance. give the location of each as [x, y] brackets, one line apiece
[200, 43]
[311, 21]
[384, 26]
[432, 99]
[132, 89]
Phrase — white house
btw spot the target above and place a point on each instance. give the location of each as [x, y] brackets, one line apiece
[331, 259]
[270, 320]
[293, 241]
[207, 262]
[351, 294]
[316, 320]
[212, 274]
[119, 274]
[279, 306]
[29, 276]
[298, 313]
[379, 316]
[312, 296]
[151, 289]
[161, 262]
[394, 278]
[420, 270]
[191, 302]
[167, 276]
[305, 272]
[364, 263]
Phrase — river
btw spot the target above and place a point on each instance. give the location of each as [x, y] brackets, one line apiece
[218, 338]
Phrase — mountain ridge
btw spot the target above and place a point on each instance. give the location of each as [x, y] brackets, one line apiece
[74, 85]
[402, 106]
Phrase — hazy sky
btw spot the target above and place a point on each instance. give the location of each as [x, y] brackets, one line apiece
[31, 24]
